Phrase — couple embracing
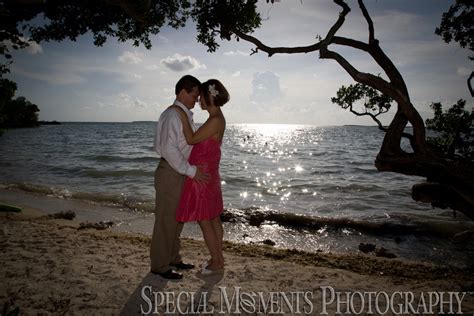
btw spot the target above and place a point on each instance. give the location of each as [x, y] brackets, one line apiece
[187, 181]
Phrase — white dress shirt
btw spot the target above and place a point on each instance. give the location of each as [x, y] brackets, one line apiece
[170, 142]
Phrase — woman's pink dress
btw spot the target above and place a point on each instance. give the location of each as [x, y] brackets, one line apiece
[202, 201]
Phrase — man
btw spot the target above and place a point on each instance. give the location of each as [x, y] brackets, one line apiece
[173, 167]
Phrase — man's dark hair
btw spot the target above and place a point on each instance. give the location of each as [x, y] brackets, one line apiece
[187, 83]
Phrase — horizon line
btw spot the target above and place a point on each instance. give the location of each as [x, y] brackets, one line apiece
[239, 123]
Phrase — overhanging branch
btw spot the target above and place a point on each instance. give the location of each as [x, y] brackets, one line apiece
[276, 50]
[338, 24]
[469, 85]
[369, 21]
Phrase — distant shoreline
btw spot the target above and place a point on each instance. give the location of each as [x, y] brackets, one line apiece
[252, 124]
[49, 123]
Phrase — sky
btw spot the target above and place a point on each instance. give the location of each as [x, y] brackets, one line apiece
[76, 81]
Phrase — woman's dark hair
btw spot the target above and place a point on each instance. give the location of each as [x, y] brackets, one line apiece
[187, 83]
[215, 86]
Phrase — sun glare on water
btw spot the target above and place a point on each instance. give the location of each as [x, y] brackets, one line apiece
[283, 148]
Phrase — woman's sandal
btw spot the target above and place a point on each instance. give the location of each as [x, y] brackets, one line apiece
[207, 272]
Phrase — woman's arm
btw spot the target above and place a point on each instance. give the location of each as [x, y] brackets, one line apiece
[187, 129]
[211, 127]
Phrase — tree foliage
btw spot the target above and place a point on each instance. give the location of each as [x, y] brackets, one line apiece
[373, 102]
[455, 126]
[17, 112]
[457, 24]
[121, 19]
[219, 18]
[7, 91]
[124, 20]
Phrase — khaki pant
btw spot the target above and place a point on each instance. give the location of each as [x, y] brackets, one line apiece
[165, 243]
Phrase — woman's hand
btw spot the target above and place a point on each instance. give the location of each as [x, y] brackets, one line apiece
[182, 114]
[187, 129]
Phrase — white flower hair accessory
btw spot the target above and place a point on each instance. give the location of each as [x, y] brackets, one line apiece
[213, 91]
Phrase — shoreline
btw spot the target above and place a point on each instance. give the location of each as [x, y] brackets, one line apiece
[50, 266]
[414, 238]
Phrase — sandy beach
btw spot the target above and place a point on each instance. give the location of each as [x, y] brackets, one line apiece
[53, 267]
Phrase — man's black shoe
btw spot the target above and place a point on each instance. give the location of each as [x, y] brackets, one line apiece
[170, 274]
[184, 266]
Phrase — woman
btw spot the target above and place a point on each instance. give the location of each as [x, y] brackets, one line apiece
[203, 202]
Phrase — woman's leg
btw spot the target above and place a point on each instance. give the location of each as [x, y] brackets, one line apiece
[212, 242]
[219, 231]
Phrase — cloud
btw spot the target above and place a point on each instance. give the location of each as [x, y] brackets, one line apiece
[395, 24]
[265, 86]
[463, 71]
[139, 103]
[130, 58]
[321, 11]
[418, 52]
[33, 47]
[236, 74]
[179, 63]
[236, 53]
[123, 101]
[162, 39]
[123, 97]
[57, 77]
[152, 67]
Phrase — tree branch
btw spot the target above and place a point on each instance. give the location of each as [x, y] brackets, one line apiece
[276, 50]
[369, 21]
[469, 85]
[373, 116]
[332, 31]
[395, 87]
[378, 55]
[351, 43]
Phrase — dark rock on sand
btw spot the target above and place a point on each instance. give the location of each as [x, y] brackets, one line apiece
[99, 226]
[382, 252]
[365, 248]
[465, 236]
[70, 215]
[256, 219]
[269, 242]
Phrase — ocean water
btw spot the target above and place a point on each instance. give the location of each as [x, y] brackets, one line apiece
[304, 187]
